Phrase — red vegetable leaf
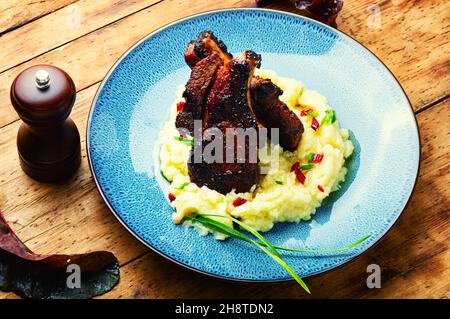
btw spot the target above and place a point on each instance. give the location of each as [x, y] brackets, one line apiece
[48, 277]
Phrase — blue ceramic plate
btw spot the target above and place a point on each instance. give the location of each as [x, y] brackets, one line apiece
[133, 103]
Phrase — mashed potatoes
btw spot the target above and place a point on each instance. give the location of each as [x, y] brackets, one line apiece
[278, 197]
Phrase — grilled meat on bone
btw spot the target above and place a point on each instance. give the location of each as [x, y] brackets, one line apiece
[227, 112]
[205, 45]
[267, 107]
[225, 95]
[203, 75]
[273, 113]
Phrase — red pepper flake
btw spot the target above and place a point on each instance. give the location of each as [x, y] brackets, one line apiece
[171, 197]
[298, 172]
[314, 124]
[239, 201]
[300, 176]
[320, 188]
[180, 106]
[305, 112]
[315, 158]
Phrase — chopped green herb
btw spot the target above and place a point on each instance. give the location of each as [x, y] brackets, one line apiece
[329, 118]
[310, 157]
[279, 182]
[358, 242]
[182, 186]
[307, 167]
[184, 140]
[313, 113]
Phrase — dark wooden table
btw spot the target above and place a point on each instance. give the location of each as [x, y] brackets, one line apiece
[86, 37]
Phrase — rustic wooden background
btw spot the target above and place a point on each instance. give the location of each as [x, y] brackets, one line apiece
[86, 37]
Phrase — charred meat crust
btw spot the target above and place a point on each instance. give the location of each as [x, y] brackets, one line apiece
[227, 109]
[228, 99]
[197, 89]
[225, 95]
[205, 44]
[268, 108]
[273, 113]
[224, 177]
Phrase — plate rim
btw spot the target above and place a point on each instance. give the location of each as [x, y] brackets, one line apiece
[203, 272]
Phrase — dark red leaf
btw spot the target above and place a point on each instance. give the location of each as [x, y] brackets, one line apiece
[39, 276]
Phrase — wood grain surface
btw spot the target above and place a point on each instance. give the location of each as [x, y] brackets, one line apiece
[86, 37]
[15, 13]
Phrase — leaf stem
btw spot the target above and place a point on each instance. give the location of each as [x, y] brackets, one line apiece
[263, 244]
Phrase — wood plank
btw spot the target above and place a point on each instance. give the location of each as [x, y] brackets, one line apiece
[414, 257]
[15, 13]
[59, 218]
[62, 26]
[87, 59]
[69, 217]
[425, 79]
[66, 218]
[411, 39]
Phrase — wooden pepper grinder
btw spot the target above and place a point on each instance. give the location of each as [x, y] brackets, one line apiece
[48, 141]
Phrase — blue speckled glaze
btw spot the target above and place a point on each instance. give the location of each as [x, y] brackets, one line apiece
[133, 103]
